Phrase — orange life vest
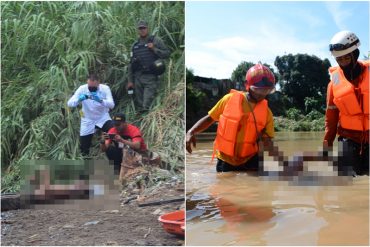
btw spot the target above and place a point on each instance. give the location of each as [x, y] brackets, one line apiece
[353, 112]
[230, 123]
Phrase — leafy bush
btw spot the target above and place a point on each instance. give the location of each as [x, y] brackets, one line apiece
[294, 114]
[313, 115]
[308, 123]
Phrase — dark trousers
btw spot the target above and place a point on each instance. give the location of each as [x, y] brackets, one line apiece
[146, 86]
[354, 157]
[85, 141]
[114, 153]
[250, 165]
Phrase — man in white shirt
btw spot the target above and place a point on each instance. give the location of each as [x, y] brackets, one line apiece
[96, 100]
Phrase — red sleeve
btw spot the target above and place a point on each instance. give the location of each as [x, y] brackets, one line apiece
[135, 134]
[112, 131]
[331, 116]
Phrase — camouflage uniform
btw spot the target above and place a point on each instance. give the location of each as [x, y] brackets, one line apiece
[146, 82]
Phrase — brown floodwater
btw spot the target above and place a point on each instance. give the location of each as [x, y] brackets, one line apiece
[237, 208]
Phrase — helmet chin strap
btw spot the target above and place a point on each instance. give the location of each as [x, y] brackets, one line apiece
[352, 70]
[251, 97]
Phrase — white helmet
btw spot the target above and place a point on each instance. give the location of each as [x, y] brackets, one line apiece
[343, 43]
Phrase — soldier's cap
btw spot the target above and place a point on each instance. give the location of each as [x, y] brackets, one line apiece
[118, 118]
[142, 23]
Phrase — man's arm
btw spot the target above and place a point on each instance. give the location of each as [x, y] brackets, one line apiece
[198, 127]
[267, 134]
[104, 142]
[135, 136]
[130, 76]
[130, 73]
[331, 118]
[160, 49]
[132, 144]
[108, 102]
[74, 101]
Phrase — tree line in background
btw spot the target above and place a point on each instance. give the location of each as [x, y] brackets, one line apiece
[48, 48]
[298, 105]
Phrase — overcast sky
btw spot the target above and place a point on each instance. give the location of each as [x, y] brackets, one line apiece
[220, 35]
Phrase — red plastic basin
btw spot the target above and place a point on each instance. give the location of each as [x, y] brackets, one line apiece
[174, 222]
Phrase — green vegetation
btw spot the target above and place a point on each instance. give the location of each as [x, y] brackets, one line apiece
[304, 79]
[296, 121]
[48, 48]
[194, 96]
[239, 72]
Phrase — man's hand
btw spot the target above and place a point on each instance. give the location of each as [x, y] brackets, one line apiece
[150, 45]
[129, 85]
[118, 138]
[326, 144]
[267, 141]
[190, 139]
[326, 147]
[94, 96]
[104, 136]
[82, 97]
[198, 127]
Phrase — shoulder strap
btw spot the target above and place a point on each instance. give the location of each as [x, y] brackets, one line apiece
[136, 43]
[259, 134]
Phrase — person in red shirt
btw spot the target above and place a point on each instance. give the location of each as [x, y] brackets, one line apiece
[120, 135]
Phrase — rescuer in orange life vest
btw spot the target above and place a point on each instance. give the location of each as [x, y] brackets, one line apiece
[347, 112]
[244, 118]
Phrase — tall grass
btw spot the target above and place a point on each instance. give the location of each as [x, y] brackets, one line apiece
[47, 50]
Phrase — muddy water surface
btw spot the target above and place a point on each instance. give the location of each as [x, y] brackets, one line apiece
[242, 209]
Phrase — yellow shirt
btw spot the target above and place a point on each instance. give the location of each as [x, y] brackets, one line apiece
[215, 114]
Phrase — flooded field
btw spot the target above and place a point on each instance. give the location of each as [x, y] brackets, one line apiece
[242, 209]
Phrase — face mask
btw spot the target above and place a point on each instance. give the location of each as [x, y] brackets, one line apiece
[92, 89]
[255, 97]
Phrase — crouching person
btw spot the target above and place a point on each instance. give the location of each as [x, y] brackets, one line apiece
[122, 136]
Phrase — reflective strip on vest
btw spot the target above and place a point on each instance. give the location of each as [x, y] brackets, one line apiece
[230, 123]
[335, 78]
[353, 113]
[331, 107]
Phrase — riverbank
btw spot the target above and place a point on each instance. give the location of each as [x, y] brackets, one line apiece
[305, 123]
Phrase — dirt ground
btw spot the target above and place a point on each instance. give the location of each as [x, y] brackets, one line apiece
[130, 226]
[123, 224]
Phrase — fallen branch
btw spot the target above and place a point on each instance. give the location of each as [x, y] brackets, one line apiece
[146, 235]
[130, 199]
[152, 203]
[8, 221]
